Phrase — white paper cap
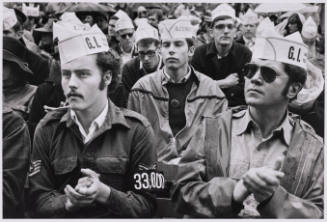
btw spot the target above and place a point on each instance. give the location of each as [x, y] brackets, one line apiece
[120, 13]
[250, 17]
[176, 28]
[123, 22]
[223, 10]
[266, 28]
[70, 21]
[309, 29]
[145, 31]
[75, 43]
[9, 18]
[31, 10]
[290, 49]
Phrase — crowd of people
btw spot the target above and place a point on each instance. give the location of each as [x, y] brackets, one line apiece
[163, 110]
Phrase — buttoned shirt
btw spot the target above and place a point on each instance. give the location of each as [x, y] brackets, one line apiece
[96, 123]
[249, 149]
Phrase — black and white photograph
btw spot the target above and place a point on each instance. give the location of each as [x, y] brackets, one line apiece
[163, 110]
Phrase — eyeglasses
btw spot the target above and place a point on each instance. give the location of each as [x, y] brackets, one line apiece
[149, 53]
[223, 26]
[124, 36]
[268, 74]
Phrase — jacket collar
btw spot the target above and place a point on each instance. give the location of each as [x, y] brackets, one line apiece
[164, 79]
[115, 116]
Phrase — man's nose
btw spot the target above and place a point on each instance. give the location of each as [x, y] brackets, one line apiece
[73, 81]
[257, 78]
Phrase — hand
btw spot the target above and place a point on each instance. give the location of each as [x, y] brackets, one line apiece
[240, 192]
[263, 181]
[92, 187]
[75, 200]
[229, 81]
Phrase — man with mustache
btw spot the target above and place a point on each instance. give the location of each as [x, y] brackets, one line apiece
[175, 98]
[261, 161]
[223, 59]
[87, 159]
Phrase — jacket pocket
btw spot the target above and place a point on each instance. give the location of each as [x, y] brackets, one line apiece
[112, 165]
[64, 165]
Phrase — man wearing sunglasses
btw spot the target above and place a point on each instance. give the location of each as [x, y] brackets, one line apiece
[223, 59]
[261, 161]
[124, 32]
[148, 61]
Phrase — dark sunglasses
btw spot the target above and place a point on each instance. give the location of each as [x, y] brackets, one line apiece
[124, 36]
[268, 74]
[223, 26]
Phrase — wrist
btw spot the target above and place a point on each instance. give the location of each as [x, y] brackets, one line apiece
[221, 83]
[240, 192]
[104, 193]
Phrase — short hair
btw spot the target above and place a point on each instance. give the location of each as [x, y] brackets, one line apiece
[190, 42]
[148, 41]
[294, 18]
[110, 60]
[295, 73]
[223, 17]
[156, 12]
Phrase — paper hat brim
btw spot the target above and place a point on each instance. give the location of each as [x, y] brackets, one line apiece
[280, 50]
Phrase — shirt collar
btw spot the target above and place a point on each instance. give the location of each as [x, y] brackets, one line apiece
[167, 78]
[98, 121]
[245, 123]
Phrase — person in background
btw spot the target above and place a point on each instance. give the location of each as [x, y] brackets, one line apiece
[223, 59]
[18, 94]
[294, 24]
[155, 16]
[12, 27]
[141, 15]
[148, 61]
[16, 148]
[250, 22]
[261, 161]
[124, 29]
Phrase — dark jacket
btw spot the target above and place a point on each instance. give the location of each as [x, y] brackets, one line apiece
[131, 72]
[120, 146]
[205, 61]
[16, 148]
[205, 190]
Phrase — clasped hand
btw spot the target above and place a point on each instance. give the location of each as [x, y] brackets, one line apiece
[262, 182]
[88, 190]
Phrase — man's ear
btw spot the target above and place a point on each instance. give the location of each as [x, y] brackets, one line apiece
[293, 90]
[107, 77]
[191, 51]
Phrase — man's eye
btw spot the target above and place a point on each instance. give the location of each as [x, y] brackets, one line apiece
[82, 74]
[65, 74]
[165, 45]
[179, 44]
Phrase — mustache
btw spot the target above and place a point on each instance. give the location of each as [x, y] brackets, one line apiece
[74, 94]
